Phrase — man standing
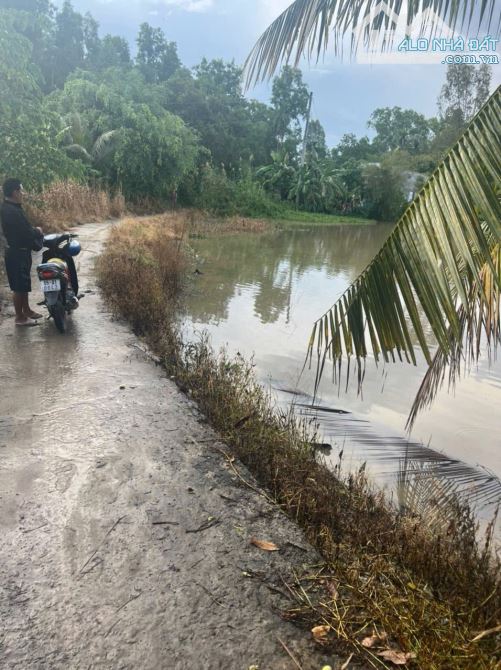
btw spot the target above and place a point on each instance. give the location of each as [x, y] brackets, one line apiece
[20, 236]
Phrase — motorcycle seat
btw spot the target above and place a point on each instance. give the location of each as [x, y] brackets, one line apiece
[54, 239]
[53, 263]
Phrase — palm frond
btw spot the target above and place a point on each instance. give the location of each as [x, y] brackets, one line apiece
[64, 134]
[77, 128]
[104, 144]
[432, 268]
[304, 28]
[78, 152]
[484, 319]
[441, 501]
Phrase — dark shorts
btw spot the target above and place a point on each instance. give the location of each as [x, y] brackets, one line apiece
[18, 266]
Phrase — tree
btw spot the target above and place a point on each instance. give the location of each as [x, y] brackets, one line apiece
[279, 176]
[111, 52]
[115, 52]
[315, 185]
[154, 153]
[289, 100]
[316, 146]
[156, 57]
[92, 43]
[351, 177]
[216, 76]
[352, 148]
[141, 148]
[69, 43]
[210, 100]
[398, 128]
[465, 91]
[79, 143]
[303, 28]
[382, 193]
[28, 131]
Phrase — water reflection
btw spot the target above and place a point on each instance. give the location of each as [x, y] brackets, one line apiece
[273, 265]
[260, 295]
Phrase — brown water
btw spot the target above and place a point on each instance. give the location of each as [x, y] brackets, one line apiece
[260, 294]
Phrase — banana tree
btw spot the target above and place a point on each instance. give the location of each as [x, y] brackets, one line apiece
[315, 185]
[279, 175]
[306, 26]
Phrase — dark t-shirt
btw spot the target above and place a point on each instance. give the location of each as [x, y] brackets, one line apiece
[18, 231]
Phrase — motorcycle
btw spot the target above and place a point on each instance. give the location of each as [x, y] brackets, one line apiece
[58, 276]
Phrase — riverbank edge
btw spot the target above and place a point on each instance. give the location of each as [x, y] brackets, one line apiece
[430, 593]
[198, 223]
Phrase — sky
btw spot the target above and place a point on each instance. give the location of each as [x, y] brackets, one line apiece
[344, 93]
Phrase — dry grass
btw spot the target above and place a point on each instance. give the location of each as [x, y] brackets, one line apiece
[65, 203]
[423, 592]
[141, 269]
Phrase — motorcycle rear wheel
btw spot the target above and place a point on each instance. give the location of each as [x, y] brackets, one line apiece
[58, 313]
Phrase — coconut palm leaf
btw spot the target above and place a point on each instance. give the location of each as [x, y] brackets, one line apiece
[78, 131]
[483, 320]
[438, 267]
[306, 26]
[76, 151]
[104, 145]
[423, 491]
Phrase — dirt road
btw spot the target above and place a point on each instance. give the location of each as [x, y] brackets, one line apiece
[125, 537]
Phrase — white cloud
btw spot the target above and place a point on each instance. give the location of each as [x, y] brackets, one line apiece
[190, 5]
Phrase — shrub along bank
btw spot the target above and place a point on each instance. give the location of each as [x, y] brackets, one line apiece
[393, 588]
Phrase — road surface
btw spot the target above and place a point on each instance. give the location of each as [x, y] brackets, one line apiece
[125, 535]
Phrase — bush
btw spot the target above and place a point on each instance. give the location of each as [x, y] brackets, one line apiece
[252, 200]
[217, 193]
[222, 196]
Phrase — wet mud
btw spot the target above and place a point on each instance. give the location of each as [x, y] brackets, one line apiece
[125, 535]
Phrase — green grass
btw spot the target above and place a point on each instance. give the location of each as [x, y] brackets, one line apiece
[294, 216]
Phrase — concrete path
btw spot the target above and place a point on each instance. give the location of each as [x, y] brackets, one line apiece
[125, 536]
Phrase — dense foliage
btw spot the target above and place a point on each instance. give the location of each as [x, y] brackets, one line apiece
[76, 105]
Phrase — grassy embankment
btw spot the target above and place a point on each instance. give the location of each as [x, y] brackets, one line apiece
[296, 216]
[390, 584]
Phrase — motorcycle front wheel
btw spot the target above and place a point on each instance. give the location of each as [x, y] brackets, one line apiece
[58, 313]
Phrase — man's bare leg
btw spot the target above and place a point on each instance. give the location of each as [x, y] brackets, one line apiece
[19, 303]
[28, 313]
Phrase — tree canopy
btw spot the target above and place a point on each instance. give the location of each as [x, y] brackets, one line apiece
[85, 108]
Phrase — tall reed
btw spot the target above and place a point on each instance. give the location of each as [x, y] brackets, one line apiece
[65, 203]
